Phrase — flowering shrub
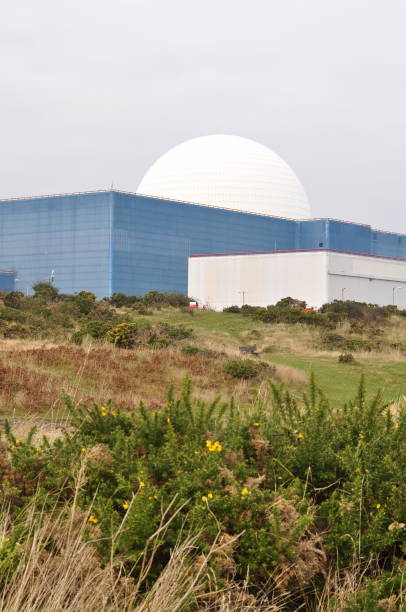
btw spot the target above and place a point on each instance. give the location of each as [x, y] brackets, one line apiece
[292, 490]
[128, 335]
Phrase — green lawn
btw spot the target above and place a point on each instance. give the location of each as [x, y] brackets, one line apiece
[339, 381]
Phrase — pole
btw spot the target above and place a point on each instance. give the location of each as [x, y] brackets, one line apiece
[342, 293]
[393, 293]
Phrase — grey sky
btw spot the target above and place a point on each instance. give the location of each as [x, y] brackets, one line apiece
[94, 91]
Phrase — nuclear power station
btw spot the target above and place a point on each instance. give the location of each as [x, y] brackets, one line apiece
[221, 218]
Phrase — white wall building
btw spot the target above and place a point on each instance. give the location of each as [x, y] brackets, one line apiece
[316, 276]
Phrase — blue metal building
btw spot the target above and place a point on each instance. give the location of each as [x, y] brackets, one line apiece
[7, 280]
[111, 241]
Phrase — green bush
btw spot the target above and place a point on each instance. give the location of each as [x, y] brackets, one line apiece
[346, 358]
[301, 490]
[232, 309]
[45, 291]
[129, 335]
[191, 349]
[244, 368]
[85, 301]
[13, 299]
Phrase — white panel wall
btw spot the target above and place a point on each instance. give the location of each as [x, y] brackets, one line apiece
[366, 279]
[316, 277]
[261, 279]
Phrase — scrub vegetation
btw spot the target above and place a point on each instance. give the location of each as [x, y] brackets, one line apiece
[145, 464]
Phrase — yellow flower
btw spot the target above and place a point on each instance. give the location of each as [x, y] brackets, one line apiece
[18, 442]
[300, 436]
[93, 519]
[245, 491]
[114, 413]
[168, 420]
[82, 450]
[357, 469]
[210, 495]
[397, 426]
[142, 484]
[125, 506]
[204, 498]
[257, 424]
[213, 447]
[378, 506]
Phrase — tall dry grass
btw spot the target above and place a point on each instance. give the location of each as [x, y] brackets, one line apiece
[59, 569]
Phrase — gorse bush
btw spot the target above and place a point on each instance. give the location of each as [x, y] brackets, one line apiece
[13, 299]
[129, 335]
[346, 358]
[289, 310]
[293, 491]
[245, 368]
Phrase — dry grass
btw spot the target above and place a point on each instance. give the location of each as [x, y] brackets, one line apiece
[32, 376]
[59, 569]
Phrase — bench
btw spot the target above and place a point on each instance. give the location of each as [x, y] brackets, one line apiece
[252, 350]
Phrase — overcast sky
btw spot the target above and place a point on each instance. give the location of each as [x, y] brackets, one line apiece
[94, 91]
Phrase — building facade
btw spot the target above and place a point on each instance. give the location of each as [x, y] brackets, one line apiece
[112, 241]
[316, 276]
[7, 280]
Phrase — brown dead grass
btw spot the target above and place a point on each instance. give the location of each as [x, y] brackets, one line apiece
[32, 376]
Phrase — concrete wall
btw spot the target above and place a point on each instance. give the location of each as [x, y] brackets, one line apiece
[316, 277]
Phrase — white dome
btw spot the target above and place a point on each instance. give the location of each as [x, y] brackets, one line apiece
[230, 172]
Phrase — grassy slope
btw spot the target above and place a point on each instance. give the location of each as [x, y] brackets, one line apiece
[32, 375]
[339, 381]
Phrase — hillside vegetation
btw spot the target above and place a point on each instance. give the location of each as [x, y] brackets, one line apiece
[53, 342]
[178, 475]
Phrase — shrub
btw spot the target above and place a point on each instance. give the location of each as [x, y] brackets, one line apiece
[95, 329]
[346, 358]
[45, 291]
[124, 335]
[244, 368]
[190, 349]
[233, 309]
[289, 302]
[128, 335]
[85, 301]
[120, 299]
[13, 299]
[155, 298]
[285, 488]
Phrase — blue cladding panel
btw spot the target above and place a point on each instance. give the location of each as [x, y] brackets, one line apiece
[313, 234]
[68, 234]
[153, 238]
[7, 281]
[349, 237]
[110, 241]
[391, 245]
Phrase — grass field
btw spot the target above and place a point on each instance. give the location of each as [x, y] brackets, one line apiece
[300, 350]
[33, 373]
[256, 502]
